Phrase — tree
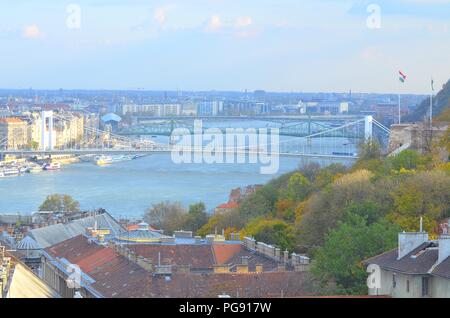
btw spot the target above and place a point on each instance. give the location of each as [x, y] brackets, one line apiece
[166, 216]
[197, 217]
[340, 258]
[324, 209]
[223, 221]
[298, 187]
[370, 149]
[370, 211]
[407, 159]
[425, 194]
[60, 203]
[274, 232]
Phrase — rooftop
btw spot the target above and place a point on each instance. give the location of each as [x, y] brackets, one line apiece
[114, 274]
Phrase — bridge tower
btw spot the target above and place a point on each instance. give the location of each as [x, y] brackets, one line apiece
[368, 127]
[47, 133]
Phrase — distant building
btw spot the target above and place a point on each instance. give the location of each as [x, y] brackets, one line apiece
[210, 108]
[324, 107]
[17, 281]
[417, 137]
[111, 119]
[14, 131]
[157, 110]
[189, 109]
[226, 207]
[419, 267]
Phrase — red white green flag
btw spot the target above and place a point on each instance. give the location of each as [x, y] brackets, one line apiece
[402, 76]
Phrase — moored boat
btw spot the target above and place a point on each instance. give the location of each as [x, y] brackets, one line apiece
[52, 166]
[107, 160]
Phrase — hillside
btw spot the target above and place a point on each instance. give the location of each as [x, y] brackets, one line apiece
[442, 102]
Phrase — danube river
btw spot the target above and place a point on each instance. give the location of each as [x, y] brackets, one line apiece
[128, 188]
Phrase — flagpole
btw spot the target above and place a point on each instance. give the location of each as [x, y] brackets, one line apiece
[431, 105]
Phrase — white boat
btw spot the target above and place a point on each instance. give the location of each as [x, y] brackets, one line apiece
[107, 160]
[34, 169]
[10, 171]
[52, 166]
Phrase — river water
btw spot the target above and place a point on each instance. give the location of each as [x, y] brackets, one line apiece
[126, 189]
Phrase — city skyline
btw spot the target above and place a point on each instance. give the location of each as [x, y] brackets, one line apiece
[288, 46]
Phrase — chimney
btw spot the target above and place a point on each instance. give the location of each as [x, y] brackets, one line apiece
[144, 263]
[281, 267]
[407, 242]
[444, 248]
[286, 256]
[242, 269]
[221, 269]
[184, 269]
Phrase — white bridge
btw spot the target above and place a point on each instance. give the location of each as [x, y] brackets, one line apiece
[338, 142]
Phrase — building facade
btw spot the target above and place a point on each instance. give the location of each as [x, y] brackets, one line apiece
[418, 268]
[14, 132]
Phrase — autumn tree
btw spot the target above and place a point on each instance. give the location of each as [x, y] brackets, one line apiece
[340, 258]
[60, 203]
[167, 216]
[197, 217]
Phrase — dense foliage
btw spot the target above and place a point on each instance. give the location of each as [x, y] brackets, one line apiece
[60, 203]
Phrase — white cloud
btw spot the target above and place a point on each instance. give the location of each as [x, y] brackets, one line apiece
[160, 15]
[32, 32]
[214, 24]
[243, 22]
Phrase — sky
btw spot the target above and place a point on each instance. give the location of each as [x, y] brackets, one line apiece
[275, 45]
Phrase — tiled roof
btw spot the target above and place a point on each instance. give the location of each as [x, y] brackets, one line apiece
[443, 269]
[229, 205]
[225, 252]
[426, 256]
[11, 120]
[198, 256]
[253, 259]
[116, 276]
[420, 261]
[267, 285]
[74, 250]
[54, 234]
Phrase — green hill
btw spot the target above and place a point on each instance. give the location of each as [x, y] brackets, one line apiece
[442, 102]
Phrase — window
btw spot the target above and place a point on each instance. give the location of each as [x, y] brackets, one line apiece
[394, 281]
[424, 286]
[407, 286]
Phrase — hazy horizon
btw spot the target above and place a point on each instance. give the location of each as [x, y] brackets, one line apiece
[225, 45]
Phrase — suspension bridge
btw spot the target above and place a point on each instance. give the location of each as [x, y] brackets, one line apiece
[338, 138]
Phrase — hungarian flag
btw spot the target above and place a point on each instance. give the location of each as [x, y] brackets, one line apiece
[402, 76]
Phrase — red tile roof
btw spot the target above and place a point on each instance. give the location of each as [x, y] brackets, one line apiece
[11, 120]
[198, 256]
[229, 205]
[116, 276]
[224, 252]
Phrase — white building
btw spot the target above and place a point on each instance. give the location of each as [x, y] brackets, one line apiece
[418, 268]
